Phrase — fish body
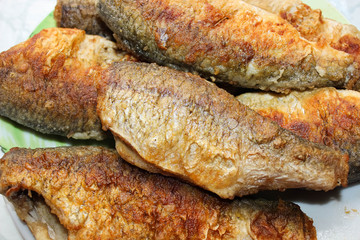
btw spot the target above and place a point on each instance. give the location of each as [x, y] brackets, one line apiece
[328, 116]
[178, 124]
[48, 82]
[229, 41]
[97, 195]
[81, 14]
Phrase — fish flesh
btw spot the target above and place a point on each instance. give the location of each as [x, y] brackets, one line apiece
[81, 14]
[310, 22]
[313, 26]
[178, 124]
[229, 41]
[96, 195]
[48, 83]
[328, 116]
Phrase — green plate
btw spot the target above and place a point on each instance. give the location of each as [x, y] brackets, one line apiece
[48, 22]
[14, 135]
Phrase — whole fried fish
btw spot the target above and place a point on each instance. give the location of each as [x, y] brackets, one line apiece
[179, 124]
[327, 116]
[48, 82]
[96, 195]
[230, 41]
[81, 14]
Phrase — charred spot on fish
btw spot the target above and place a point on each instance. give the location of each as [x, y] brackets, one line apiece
[348, 44]
[300, 128]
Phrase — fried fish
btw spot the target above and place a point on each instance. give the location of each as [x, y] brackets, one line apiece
[48, 82]
[327, 116]
[81, 14]
[313, 26]
[96, 195]
[178, 124]
[164, 120]
[230, 41]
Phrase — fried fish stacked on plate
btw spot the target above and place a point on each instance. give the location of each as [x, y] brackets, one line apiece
[164, 120]
[96, 195]
[175, 123]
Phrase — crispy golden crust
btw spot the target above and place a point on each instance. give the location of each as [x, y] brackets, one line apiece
[96, 195]
[327, 116]
[309, 22]
[179, 124]
[81, 14]
[230, 40]
[48, 83]
[313, 26]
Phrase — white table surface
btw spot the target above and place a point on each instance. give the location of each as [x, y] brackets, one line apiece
[18, 18]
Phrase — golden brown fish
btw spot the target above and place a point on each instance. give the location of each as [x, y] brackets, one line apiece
[96, 195]
[48, 82]
[230, 40]
[327, 116]
[168, 121]
[179, 124]
[309, 22]
[313, 26]
[81, 14]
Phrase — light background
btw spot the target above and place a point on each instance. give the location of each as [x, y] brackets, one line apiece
[18, 18]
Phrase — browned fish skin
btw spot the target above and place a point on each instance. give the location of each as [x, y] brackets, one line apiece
[96, 195]
[230, 40]
[48, 82]
[179, 124]
[81, 14]
[313, 26]
[327, 116]
[309, 22]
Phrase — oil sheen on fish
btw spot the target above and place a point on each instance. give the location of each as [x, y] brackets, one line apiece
[48, 82]
[81, 14]
[179, 124]
[327, 116]
[229, 41]
[97, 195]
